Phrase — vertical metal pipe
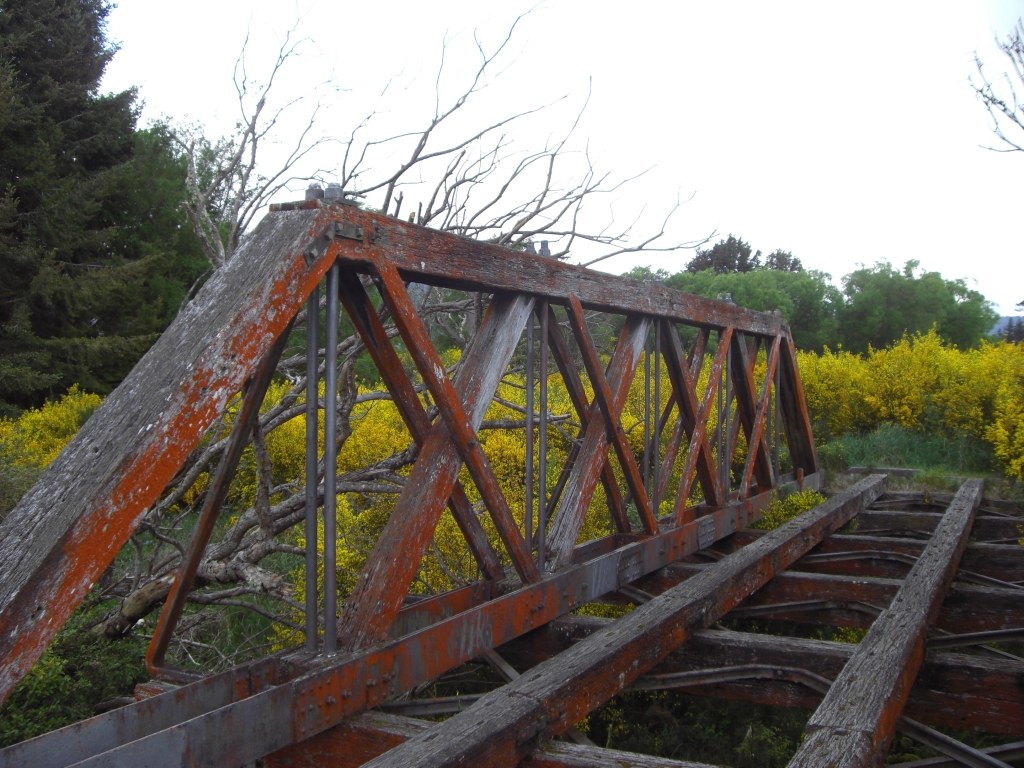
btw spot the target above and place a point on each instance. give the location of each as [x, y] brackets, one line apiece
[646, 461]
[542, 459]
[718, 426]
[778, 366]
[528, 521]
[331, 464]
[657, 419]
[726, 468]
[312, 441]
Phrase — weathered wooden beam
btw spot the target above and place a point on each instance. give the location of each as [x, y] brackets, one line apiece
[67, 528]
[967, 607]
[971, 693]
[371, 734]
[867, 556]
[857, 719]
[251, 721]
[986, 528]
[507, 724]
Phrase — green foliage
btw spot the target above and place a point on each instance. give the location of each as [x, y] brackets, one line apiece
[807, 300]
[94, 261]
[75, 677]
[729, 255]
[781, 511]
[893, 445]
[683, 727]
[882, 304]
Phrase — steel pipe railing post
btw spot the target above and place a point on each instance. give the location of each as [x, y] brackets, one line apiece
[542, 468]
[657, 418]
[646, 464]
[312, 458]
[727, 459]
[778, 379]
[331, 464]
[528, 517]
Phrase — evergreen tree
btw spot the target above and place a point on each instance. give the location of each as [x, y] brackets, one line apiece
[93, 262]
[729, 255]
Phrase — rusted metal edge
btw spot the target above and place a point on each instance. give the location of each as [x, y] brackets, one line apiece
[509, 723]
[437, 258]
[299, 708]
[859, 715]
[69, 526]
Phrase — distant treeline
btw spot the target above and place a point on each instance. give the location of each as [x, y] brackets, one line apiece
[874, 307]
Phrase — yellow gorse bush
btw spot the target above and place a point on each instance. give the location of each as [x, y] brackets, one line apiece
[35, 438]
[923, 384]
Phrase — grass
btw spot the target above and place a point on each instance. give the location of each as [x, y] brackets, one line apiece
[893, 445]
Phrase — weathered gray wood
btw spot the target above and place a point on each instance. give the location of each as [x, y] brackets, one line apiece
[68, 527]
[371, 734]
[986, 528]
[427, 256]
[857, 720]
[507, 724]
[971, 693]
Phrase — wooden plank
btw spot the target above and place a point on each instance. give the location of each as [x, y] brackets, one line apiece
[857, 720]
[506, 725]
[973, 693]
[580, 489]
[371, 734]
[997, 561]
[65, 531]
[395, 558]
[425, 255]
[986, 528]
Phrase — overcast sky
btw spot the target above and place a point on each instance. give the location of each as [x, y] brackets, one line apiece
[845, 133]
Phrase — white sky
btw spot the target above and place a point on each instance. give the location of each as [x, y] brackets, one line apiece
[845, 133]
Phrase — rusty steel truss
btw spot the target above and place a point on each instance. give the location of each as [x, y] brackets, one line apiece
[343, 698]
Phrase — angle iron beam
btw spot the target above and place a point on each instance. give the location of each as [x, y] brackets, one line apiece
[428, 256]
[578, 395]
[579, 491]
[298, 708]
[370, 328]
[610, 412]
[509, 723]
[763, 405]
[69, 526]
[698, 453]
[252, 398]
[796, 420]
[395, 558]
[695, 362]
[743, 361]
[857, 720]
[461, 429]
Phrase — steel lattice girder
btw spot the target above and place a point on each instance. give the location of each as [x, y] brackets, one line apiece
[133, 445]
